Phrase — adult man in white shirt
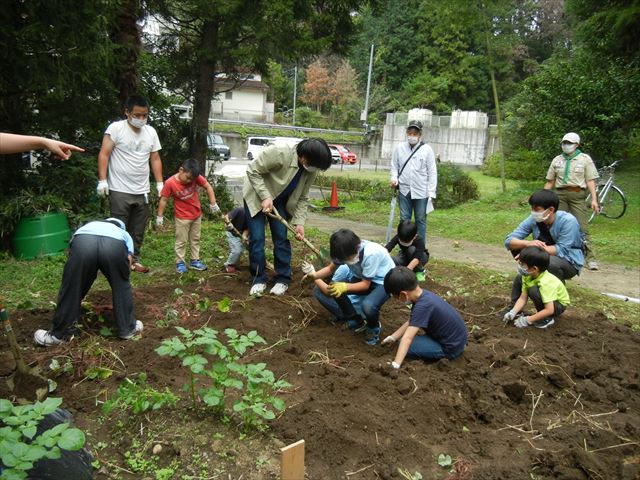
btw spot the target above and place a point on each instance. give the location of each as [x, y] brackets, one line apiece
[414, 174]
[128, 147]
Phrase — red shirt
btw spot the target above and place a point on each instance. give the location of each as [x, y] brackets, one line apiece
[186, 203]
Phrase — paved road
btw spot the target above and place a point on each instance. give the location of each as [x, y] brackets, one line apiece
[610, 278]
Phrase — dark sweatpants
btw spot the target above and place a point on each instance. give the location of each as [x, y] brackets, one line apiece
[90, 253]
[133, 210]
[536, 298]
[560, 267]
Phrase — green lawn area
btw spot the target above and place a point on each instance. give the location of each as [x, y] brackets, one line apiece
[489, 219]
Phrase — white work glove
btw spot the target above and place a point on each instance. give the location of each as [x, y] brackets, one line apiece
[159, 186]
[388, 341]
[159, 220]
[103, 188]
[395, 365]
[214, 208]
[521, 322]
[308, 268]
[510, 315]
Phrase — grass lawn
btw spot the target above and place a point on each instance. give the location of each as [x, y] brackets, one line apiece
[489, 219]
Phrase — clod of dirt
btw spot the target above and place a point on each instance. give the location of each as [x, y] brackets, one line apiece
[404, 386]
[584, 370]
[443, 364]
[515, 391]
[559, 379]
[7, 364]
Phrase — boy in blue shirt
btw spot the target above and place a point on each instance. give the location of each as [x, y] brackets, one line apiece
[368, 263]
[445, 330]
[546, 291]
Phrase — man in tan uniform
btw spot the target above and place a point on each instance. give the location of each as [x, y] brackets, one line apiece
[573, 175]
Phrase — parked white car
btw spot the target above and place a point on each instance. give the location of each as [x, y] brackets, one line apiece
[256, 144]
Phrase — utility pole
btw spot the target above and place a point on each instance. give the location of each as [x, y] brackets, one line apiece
[295, 92]
[365, 113]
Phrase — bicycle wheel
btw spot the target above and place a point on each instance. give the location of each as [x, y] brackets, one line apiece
[615, 204]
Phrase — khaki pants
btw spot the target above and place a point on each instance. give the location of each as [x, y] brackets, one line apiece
[575, 203]
[188, 231]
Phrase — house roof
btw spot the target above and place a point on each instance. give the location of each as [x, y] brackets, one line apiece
[225, 83]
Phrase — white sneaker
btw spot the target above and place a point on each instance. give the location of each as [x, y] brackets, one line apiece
[592, 265]
[257, 290]
[279, 289]
[139, 327]
[45, 339]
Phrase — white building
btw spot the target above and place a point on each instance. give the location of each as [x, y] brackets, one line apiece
[242, 99]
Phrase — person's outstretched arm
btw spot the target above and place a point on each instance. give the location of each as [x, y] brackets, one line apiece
[11, 143]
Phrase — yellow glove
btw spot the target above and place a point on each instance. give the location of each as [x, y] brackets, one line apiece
[337, 289]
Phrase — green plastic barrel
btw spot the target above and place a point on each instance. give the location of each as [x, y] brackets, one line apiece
[40, 235]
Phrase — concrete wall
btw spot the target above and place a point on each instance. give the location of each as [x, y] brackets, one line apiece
[460, 138]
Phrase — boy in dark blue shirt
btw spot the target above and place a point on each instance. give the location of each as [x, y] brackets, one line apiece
[413, 253]
[445, 330]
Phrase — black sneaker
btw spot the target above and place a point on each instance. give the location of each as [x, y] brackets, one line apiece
[356, 324]
[544, 323]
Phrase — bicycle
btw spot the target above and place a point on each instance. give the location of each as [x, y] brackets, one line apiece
[611, 198]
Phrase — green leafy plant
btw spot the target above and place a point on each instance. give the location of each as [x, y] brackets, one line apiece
[20, 447]
[98, 373]
[139, 396]
[224, 305]
[444, 460]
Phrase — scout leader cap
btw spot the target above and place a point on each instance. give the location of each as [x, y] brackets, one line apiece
[116, 221]
[417, 124]
[571, 138]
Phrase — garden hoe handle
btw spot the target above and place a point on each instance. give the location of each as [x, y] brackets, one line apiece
[277, 216]
[13, 343]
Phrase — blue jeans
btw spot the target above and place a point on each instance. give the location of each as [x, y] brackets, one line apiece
[235, 249]
[342, 307]
[419, 209]
[426, 348]
[281, 246]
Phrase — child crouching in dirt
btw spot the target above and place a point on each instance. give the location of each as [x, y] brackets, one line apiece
[183, 187]
[342, 274]
[445, 330]
[548, 294]
[413, 253]
[237, 237]
[368, 263]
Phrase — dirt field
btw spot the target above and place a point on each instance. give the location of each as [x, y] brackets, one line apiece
[519, 404]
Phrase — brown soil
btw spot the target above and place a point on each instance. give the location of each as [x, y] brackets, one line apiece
[561, 403]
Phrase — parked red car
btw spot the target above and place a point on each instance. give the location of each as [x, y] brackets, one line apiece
[347, 155]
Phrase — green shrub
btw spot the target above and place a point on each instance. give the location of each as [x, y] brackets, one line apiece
[455, 187]
[520, 165]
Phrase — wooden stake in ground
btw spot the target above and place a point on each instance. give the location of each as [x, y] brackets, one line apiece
[292, 461]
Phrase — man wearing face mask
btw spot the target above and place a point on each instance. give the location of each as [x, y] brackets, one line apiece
[557, 232]
[279, 177]
[573, 175]
[414, 174]
[128, 147]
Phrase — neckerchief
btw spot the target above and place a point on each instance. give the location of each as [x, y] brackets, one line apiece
[567, 164]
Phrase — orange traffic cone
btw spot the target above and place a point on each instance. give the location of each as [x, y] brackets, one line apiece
[333, 202]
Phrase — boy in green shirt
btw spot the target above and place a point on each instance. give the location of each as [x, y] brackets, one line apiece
[546, 291]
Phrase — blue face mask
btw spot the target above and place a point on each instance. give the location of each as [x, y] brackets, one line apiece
[523, 271]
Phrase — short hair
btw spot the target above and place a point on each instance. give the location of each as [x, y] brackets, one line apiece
[136, 101]
[191, 165]
[407, 230]
[535, 257]
[116, 221]
[400, 279]
[316, 151]
[343, 244]
[545, 199]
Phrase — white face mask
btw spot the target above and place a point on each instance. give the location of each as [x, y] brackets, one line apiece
[310, 169]
[540, 216]
[352, 261]
[137, 122]
[405, 244]
[569, 148]
[412, 140]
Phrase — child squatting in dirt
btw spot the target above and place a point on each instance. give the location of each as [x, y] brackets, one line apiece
[368, 263]
[237, 235]
[183, 187]
[445, 331]
[413, 253]
[546, 291]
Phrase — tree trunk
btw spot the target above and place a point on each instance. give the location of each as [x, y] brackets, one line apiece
[204, 91]
[126, 35]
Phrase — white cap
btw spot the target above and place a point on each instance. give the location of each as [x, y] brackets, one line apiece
[117, 221]
[571, 138]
